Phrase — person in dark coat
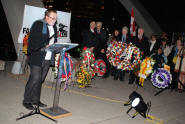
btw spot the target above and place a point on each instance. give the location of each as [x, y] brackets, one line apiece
[101, 46]
[159, 58]
[142, 43]
[113, 37]
[90, 38]
[38, 59]
[154, 44]
[124, 37]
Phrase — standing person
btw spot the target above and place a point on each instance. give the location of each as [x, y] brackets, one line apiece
[101, 46]
[154, 44]
[180, 57]
[114, 37]
[39, 60]
[142, 43]
[90, 38]
[172, 60]
[166, 49]
[126, 39]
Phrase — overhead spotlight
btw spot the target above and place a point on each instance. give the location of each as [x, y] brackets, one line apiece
[136, 101]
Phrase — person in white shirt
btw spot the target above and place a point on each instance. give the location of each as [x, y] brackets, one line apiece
[39, 60]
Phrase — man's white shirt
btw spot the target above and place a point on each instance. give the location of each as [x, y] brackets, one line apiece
[51, 33]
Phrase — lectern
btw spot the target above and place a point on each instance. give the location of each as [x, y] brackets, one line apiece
[56, 111]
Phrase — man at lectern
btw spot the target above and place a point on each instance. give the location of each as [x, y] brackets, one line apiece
[42, 34]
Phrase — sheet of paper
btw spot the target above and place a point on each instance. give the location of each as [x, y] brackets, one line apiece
[48, 55]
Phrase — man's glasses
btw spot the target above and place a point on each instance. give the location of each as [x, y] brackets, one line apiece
[54, 19]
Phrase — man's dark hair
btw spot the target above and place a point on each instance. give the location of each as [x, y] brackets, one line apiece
[49, 11]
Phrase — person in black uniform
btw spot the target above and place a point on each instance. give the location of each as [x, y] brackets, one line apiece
[142, 43]
[39, 60]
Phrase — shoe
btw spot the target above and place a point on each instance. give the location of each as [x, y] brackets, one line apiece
[28, 106]
[40, 104]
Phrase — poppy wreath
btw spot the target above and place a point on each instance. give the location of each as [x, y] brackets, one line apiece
[123, 56]
[100, 67]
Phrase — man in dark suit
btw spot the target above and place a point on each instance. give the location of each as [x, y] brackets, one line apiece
[90, 38]
[154, 44]
[142, 43]
[39, 60]
[101, 46]
[124, 37]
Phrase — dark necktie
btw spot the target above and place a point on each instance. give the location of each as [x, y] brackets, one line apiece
[123, 39]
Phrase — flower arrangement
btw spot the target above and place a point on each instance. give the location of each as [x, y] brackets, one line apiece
[25, 43]
[83, 77]
[100, 67]
[123, 56]
[86, 71]
[161, 78]
[145, 69]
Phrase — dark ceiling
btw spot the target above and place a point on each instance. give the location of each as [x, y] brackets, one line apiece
[168, 13]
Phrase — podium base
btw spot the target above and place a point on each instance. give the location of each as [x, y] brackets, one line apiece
[60, 113]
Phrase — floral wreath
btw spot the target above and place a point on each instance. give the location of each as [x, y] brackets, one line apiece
[25, 43]
[123, 56]
[100, 67]
[88, 60]
[86, 72]
[161, 78]
[145, 69]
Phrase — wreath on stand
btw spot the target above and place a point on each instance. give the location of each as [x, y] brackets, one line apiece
[161, 78]
[123, 56]
[146, 68]
[100, 67]
[86, 71]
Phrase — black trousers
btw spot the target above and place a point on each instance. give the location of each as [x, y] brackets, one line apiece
[33, 87]
[133, 78]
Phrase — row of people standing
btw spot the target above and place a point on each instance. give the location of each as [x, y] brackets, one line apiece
[160, 51]
[95, 39]
[140, 41]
